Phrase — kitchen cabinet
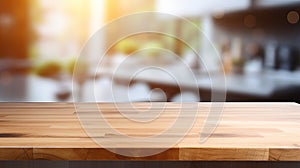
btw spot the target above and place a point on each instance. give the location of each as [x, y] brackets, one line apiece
[14, 29]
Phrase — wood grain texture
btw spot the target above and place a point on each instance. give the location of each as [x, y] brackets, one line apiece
[246, 131]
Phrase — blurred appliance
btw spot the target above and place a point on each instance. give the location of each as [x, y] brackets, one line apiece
[286, 58]
[270, 55]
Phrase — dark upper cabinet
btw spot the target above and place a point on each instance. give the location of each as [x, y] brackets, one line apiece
[275, 3]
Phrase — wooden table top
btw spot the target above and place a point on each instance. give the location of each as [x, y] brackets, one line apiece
[246, 131]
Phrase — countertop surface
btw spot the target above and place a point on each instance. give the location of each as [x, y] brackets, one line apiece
[28, 88]
[263, 84]
[244, 131]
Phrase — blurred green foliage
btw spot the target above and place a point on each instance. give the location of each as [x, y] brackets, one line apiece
[127, 46]
[153, 48]
[48, 69]
[73, 64]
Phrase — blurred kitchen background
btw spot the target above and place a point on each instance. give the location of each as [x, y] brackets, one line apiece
[258, 42]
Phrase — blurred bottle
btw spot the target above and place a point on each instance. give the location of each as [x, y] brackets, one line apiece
[238, 60]
[270, 55]
[254, 53]
[226, 57]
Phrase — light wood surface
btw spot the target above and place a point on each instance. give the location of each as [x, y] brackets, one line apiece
[246, 131]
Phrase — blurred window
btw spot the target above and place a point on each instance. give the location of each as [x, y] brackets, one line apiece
[59, 28]
[119, 8]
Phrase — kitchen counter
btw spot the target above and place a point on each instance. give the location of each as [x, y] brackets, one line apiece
[264, 86]
[246, 131]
